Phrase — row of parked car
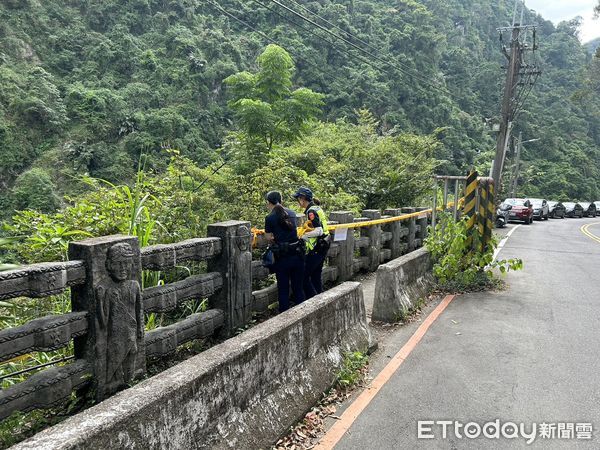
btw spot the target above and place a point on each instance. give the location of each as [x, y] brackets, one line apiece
[528, 209]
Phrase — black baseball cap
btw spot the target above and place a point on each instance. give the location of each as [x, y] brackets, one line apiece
[304, 192]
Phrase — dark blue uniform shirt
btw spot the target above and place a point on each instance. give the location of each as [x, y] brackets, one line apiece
[280, 233]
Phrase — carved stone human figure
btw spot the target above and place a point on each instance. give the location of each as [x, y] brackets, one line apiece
[120, 320]
[243, 279]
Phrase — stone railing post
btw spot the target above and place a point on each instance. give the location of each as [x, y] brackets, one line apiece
[395, 244]
[423, 223]
[235, 265]
[411, 224]
[345, 258]
[372, 252]
[112, 297]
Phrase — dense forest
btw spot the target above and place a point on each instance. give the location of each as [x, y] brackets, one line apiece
[169, 96]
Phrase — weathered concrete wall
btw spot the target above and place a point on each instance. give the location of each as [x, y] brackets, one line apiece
[400, 283]
[243, 393]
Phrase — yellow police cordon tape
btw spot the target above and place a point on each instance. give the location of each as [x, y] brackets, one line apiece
[367, 223]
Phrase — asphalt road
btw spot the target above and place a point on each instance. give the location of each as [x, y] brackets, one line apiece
[528, 354]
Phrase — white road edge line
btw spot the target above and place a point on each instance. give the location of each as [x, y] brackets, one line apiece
[503, 241]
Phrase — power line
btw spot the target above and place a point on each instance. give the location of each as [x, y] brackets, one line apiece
[352, 44]
[371, 46]
[304, 8]
[331, 43]
[344, 51]
[269, 39]
[224, 11]
[522, 103]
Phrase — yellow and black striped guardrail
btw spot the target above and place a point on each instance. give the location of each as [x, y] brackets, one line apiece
[479, 208]
[470, 208]
[489, 217]
[486, 212]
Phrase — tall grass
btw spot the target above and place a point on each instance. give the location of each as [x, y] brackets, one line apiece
[19, 311]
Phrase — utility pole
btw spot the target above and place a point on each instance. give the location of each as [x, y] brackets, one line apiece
[512, 78]
[520, 78]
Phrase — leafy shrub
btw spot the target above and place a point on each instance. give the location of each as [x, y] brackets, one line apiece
[456, 266]
[35, 190]
[353, 369]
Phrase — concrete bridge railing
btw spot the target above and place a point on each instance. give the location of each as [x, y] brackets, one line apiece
[107, 326]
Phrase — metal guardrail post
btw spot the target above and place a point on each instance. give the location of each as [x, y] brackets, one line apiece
[434, 209]
[491, 210]
[445, 194]
[482, 214]
[471, 205]
[455, 206]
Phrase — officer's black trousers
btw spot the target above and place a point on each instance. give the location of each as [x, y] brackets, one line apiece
[289, 268]
[313, 267]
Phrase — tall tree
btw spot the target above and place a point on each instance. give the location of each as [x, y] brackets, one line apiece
[268, 111]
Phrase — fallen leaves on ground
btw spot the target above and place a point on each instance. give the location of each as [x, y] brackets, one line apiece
[305, 435]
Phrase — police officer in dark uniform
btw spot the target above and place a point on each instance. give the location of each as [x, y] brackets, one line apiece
[316, 239]
[288, 250]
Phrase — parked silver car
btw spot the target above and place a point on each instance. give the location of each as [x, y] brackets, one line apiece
[541, 210]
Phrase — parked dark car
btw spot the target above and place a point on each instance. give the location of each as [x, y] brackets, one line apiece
[520, 210]
[573, 209]
[540, 208]
[556, 210]
[589, 209]
[597, 208]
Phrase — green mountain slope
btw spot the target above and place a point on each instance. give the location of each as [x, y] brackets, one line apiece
[87, 85]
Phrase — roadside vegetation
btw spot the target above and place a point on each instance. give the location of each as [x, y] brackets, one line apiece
[460, 265]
